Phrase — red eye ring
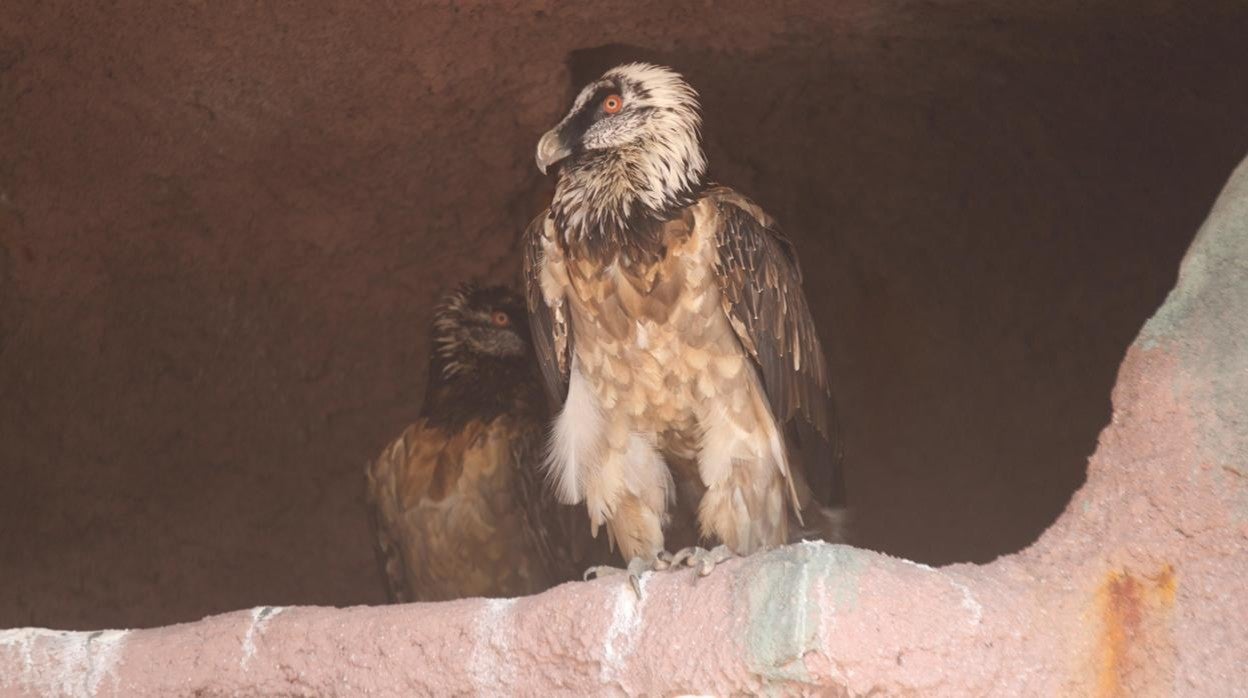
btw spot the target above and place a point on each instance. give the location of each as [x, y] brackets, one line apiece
[613, 104]
[500, 319]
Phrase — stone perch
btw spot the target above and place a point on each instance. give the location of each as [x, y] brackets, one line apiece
[1138, 589]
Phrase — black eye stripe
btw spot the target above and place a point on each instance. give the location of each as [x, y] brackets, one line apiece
[590, 112]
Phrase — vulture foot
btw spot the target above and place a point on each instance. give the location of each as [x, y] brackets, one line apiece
[636, 567]
[705, 560]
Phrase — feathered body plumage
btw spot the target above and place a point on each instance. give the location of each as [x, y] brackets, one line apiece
[670, 324]
[458, 504]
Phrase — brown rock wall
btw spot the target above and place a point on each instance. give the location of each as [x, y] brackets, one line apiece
[221, 226]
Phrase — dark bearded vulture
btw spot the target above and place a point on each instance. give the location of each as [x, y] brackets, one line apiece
[457, 501]
[669, 321]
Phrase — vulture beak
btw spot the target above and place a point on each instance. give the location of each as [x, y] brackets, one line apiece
[551, 150]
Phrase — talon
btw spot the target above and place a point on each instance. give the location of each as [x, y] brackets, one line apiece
[713, 557]
[636, 568]
[601, 571]
[707, 566]
[663, 561]
[701, 558]
[686, 556]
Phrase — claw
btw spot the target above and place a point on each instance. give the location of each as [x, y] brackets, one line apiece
[705, 560]
[636, 568]
[713, 557]
[663, 561]
[686, 556]
[600, 571]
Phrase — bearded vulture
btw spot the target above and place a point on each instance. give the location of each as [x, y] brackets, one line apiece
[458, 505]
[670, 323]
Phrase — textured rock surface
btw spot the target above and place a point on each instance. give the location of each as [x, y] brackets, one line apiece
[221, 225]
[1135, 591]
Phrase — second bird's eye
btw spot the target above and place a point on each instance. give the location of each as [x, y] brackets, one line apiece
[613, 104]
[500, 319]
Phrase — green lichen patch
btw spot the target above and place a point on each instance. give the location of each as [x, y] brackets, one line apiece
[1204, 323]
[789, 595]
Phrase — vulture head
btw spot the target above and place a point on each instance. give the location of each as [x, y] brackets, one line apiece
[630, 146]
[478, 328]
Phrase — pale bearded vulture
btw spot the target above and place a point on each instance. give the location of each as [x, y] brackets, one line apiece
[670, 324]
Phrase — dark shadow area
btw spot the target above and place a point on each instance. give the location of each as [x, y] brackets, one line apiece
[220, 235]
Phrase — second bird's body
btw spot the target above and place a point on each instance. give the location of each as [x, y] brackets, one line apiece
[458, 502]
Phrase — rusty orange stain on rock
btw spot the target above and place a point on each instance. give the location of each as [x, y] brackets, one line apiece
[1135, 645]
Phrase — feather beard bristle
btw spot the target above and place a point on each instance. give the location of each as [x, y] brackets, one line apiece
[447, 319]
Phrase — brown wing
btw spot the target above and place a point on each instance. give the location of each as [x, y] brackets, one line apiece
[552, 339]
[387, 476]
[448, 518]
[761, 283]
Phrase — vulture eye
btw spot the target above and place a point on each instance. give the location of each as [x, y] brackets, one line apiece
[613, 104]
[500, 319]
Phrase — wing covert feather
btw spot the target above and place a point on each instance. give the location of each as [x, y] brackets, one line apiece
[549, 326]
[761, 283]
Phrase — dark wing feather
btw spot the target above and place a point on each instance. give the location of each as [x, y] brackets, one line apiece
[549, 326]
[761, 283]
[558, 533]
[381, 493]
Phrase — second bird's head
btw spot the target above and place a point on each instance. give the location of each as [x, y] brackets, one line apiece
[639, 123]
[475, 326]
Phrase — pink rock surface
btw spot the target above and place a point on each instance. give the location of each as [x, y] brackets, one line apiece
[1137, 590]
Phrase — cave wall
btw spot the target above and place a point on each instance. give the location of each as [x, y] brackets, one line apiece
[221, 227]
[1133, 591]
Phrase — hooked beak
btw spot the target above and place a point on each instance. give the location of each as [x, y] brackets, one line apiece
[551, 150]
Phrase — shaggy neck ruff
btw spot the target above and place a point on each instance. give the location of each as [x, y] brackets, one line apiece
[614, 202]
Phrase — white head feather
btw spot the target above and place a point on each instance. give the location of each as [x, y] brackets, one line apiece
[645, 159]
